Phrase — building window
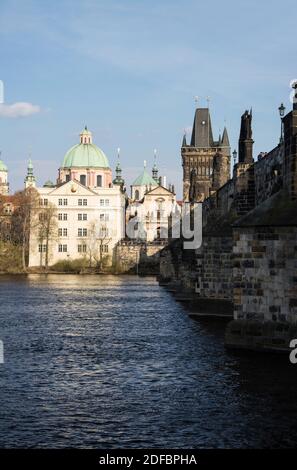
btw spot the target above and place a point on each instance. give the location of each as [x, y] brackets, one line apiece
[107, 202]
[104, 248]
[99, 181]
[60, 232]
[60, 216]
[137, 195]
[62, 248]
[82, 248]
[82, 216]
[63, 202]
[82, 232]
[43, 202]
[104, 232]
[102, 216]
[42, 248]
[64, 216]
[67, 178]
[101, 202]
[82, 202]
[65, 232]
[83, 179]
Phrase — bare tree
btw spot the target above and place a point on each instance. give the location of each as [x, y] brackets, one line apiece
[98, 238]
[22, 219]
[47, 229]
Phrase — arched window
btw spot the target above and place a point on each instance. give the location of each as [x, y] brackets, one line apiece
[137, 195]
[83, 179]
[99, 181]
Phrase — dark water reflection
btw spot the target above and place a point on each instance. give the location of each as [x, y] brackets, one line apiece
[115, 362]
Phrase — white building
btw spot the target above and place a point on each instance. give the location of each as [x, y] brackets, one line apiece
[4, 185]
[88, 208]
[151, 207]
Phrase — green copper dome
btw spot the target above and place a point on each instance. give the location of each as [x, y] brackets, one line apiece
[85, 154]
[3, 167]
[144, 179]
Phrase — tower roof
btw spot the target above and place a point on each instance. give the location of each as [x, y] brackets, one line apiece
[225, 139]
[202, 131]
[144, 179]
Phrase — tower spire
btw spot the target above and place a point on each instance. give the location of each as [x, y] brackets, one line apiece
[30, 180]
[155, 168]
[118, 181]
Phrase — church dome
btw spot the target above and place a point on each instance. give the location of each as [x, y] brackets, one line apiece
[85, 154]
[3, 167]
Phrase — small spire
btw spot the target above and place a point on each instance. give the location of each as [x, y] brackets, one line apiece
[144, 163]
[30, 180]
[119, 181]
[184, 143]
[155, 168]
[225, 139]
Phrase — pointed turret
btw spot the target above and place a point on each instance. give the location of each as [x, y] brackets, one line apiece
[184, 142]
[30, 180]
[118, 181]
[225, 139]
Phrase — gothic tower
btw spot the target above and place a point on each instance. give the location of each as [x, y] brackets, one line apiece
[206, 162]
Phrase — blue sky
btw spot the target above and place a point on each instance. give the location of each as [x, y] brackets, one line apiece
[130, 70]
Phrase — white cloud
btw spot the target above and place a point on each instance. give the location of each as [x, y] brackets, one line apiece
[20, 109]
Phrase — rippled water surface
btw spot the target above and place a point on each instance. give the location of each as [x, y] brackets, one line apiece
[103, 361]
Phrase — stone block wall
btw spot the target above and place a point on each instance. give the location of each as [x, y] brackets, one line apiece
[265, 274]
[214, 268]
[138, 257]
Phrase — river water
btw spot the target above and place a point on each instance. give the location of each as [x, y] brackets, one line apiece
[115, 361]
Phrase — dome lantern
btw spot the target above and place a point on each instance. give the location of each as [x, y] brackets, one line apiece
[86, 136]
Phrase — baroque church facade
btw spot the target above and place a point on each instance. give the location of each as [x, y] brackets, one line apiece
[89, 208]
[85, 213]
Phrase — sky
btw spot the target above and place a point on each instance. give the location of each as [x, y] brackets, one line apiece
[130, 70]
